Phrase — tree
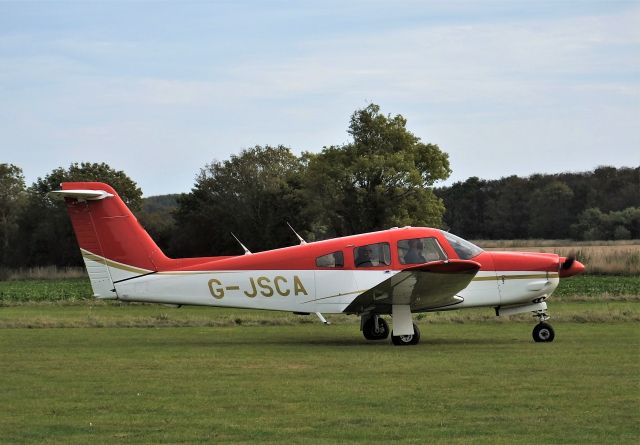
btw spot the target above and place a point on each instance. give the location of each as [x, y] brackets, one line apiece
[465, 204]
[45, 234]
[382, 178]
[12, 196]
[550, 211]
[594, 224]
[252, 194]
[156, 216]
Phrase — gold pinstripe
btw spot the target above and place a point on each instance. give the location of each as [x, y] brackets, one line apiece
[93, 257]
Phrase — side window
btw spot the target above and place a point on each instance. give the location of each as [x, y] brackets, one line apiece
[335, 259]
[420, 250]
[372, 255]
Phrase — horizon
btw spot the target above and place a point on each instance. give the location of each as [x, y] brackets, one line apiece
[461, 181]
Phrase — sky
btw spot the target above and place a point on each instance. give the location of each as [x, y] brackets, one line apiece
[161, 89]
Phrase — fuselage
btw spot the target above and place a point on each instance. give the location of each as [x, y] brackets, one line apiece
[395, 272]
[326, 276]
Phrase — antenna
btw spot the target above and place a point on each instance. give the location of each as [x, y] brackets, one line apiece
[296, 233]
[246, 251]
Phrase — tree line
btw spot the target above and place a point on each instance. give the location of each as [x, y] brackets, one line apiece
[383, 177]
[603, 204]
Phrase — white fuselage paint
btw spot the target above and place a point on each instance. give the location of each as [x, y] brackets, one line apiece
[327, 291]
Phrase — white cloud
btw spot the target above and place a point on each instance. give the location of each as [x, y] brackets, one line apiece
[488, 86]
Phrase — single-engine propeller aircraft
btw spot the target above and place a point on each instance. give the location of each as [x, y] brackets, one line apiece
[397, 272]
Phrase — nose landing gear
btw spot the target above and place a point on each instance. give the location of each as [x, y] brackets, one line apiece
[543, 331]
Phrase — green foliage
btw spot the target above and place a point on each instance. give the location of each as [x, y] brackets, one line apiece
[45, 235]
[548, 221]
[252, 194]
[382, 178]
[130, 193]
[53, 290]
[593, 224]
[157, 217]
[379, 180]
[77, 290]
[12, 196]
[548, 206]
[600, 287]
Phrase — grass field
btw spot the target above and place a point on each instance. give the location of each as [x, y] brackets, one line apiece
[77, 371]
[465, 383]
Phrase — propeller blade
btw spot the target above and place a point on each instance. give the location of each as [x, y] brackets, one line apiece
[568, 263]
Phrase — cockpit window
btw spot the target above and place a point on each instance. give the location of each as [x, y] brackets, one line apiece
[463, 248]
[372, 255]
[419, 250]
[335, 259]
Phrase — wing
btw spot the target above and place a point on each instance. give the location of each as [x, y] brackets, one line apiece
[423, 287]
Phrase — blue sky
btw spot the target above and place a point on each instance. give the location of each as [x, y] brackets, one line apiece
[159, 89]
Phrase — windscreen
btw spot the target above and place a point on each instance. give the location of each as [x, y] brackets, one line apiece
[463, 248]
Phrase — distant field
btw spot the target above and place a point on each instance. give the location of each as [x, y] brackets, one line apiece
[599, 257]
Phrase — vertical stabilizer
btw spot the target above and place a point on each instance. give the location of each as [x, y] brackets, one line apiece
[114, 245]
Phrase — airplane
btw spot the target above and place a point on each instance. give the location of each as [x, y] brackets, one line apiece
[396, 272]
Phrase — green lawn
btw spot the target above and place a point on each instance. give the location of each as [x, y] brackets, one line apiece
[465, 383]
[77, 371]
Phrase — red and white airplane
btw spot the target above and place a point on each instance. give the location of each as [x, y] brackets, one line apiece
[397, 272]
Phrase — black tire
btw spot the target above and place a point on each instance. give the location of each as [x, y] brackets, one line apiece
[369, 330]
[543, 333]
[407, 340]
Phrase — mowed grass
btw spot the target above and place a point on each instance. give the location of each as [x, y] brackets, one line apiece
[202, 375]
[464, 383]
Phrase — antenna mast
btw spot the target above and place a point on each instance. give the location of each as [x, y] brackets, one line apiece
[246, 251]
[302, 241]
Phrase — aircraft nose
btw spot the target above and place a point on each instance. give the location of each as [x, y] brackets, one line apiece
[570, 267]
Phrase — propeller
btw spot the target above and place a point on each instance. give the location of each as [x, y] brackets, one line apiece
[570, 267]
[566, 265]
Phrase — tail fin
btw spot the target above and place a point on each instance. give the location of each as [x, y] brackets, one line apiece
[114, 245]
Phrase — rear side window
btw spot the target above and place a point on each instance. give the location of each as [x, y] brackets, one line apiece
[372, 255]
[334, 259]
[420, 250]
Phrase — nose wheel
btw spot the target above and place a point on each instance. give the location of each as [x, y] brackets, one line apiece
[543, 332]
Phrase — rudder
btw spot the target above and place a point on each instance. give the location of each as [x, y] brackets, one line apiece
[113, 244]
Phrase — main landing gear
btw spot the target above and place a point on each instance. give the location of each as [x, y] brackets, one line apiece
[406, 340]
[376, 328]
[543, 332]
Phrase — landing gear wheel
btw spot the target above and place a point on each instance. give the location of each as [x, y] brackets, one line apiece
[406, 340]
[373, 332]
[543, 332]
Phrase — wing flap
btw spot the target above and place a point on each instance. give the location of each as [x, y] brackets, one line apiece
[423, 287]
